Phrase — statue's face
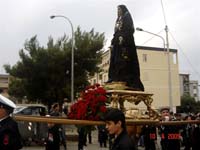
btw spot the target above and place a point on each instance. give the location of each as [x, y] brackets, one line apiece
[119, 11]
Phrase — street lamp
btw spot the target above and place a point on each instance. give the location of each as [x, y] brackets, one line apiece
[72, 56]
[168, 57]
[140, 29]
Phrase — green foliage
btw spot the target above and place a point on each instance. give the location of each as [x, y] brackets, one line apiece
[188, 105]
[44, 74]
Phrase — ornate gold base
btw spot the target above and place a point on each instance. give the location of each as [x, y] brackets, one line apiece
[115, 85]
[118, 86]
[118, 97]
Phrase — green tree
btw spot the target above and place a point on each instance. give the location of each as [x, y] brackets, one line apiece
[44, 74]
[188, 105]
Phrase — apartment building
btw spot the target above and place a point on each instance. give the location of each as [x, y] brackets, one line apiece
[184, 84]
[189, 87]
[4, 81]
[194, 89]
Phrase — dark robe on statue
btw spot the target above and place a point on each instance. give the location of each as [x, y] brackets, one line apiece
[124, 65]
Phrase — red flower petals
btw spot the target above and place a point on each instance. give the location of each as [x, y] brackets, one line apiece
[91, 105]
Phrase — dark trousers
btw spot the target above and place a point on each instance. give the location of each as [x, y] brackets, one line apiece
[150, 145]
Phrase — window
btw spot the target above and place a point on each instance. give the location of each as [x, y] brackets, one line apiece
[144, 57]
[100, 77]
[174, 58]
[4, 80]
[185, 78]
[35, 111]
[26, 111]
[194, 90]
[94, 81]
[186, 88]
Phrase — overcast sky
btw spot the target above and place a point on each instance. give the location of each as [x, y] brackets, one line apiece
[22, 19]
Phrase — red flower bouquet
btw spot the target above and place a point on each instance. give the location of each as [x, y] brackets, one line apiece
[91, 104]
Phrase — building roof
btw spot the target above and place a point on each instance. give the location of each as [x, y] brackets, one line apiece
[155, 48]
[148, 48]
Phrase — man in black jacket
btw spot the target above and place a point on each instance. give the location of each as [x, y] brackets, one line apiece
[150, 137]
[170, 136]
[10, 138]
[53, 137]
[115, 124]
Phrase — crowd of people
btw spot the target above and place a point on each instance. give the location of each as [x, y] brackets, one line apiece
[57, 136]
[113, 134]
[173, 137]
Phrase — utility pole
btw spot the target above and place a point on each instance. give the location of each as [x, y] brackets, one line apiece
[169, 70]
[168, 61]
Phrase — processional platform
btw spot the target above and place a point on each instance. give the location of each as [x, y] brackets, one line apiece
[118, 93]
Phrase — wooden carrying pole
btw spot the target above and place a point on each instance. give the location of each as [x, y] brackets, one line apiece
[129, 122]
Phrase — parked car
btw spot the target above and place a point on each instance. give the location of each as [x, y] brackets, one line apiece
[31, 131]
[30, 109]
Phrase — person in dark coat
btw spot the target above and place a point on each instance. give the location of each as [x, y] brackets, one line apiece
[124, 65]
[187, 134]
[55, 111]
[115, 124]
[82, 137]
[102, 136]
[195, 137]
[10, 138]
[53, 137]
[150, 136]
[170, 136]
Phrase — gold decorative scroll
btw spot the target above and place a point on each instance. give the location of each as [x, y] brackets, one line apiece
[118, 97]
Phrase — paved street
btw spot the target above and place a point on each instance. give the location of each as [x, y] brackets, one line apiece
[70, 146]
[73, 145]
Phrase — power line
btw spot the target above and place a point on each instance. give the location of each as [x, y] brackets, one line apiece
[165, 20]
[180, 48]
[168, 61]
[152, 37]
[163, 10]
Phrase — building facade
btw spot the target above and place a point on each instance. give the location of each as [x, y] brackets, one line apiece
[4, 82]
[184, 84]
[154, 70]
[189, 87]
[194, 89]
